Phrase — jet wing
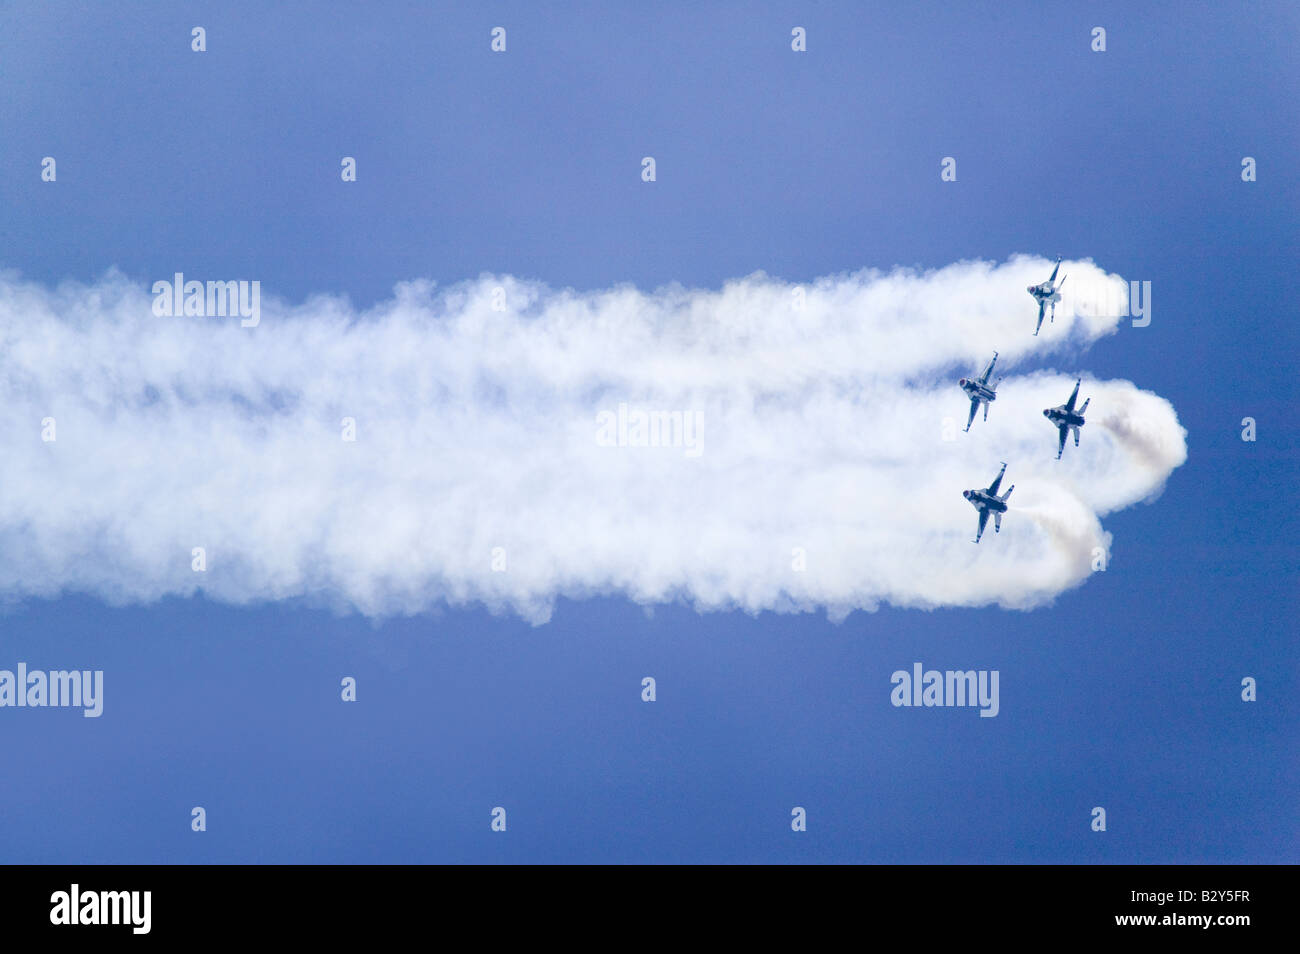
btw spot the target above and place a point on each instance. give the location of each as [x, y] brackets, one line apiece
[984, 519]
[1042, 307]
[997, 481]
[1055, 270]
[1060, 449]
[984, 378]
[1069, 405]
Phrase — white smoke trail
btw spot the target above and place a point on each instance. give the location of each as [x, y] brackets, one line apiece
[492, 462]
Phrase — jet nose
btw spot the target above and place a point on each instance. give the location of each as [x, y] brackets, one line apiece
[962, 382]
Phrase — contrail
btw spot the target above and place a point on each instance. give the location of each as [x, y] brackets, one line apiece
[764, 446]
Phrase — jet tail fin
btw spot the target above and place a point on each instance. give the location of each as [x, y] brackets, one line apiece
[1085, 406]
[1008, 493]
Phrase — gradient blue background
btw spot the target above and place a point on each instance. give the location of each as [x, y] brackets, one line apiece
[1125, 693]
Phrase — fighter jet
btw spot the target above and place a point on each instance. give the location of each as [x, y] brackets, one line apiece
[988, 501]
[1066, 418]
[980, 391]
[1048, 293]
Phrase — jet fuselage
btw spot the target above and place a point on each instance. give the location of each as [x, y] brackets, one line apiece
[982, 500]
[1059, 416]
[1044, 292]
[977, 391]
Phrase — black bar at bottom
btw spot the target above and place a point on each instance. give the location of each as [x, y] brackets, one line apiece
[339, 904]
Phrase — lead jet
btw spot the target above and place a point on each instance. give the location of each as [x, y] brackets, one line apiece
[980, 391]
[987, 501]
[1048, 293]
[1066, 418]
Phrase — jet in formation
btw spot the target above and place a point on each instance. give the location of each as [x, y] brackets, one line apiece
[980, 391]
[987, 501]
[1066, 418]
[1048, 293]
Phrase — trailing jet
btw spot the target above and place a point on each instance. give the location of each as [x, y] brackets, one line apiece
[988, 501]
[980, 391]
[1066, 418]
[1048, 293]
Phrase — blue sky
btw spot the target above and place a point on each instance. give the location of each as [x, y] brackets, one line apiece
[1122, 693]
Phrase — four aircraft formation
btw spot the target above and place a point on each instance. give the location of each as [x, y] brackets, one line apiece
[1066, 418]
